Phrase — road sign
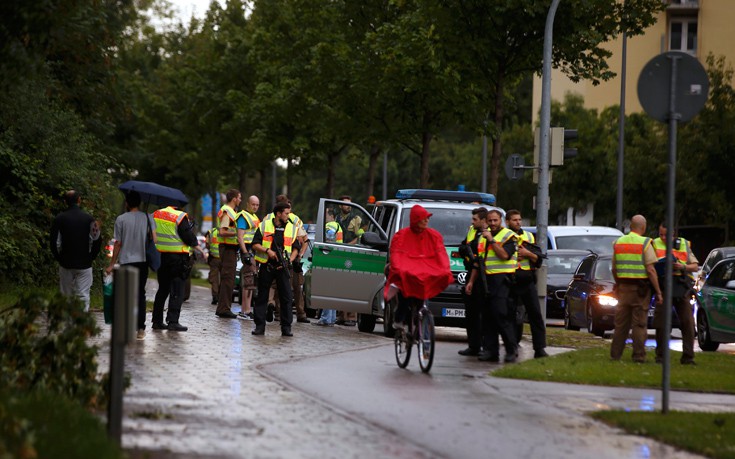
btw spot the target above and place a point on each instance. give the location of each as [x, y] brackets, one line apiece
[690, 92]
[514, 167]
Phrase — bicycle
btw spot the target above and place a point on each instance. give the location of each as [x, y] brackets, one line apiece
[418, 330]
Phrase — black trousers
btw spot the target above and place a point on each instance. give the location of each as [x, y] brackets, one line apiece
[473, 305]
[496, 320]
[525, 293]
[171, 281]
[266, 275]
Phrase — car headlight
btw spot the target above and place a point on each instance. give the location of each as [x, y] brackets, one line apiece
[607, 300]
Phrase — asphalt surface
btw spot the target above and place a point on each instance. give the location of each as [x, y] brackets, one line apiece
[217, 391]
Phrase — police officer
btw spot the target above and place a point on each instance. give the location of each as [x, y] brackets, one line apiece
[685, 263]
[174, 236]
[247, 223]
[497, 252]
[634, 273]
[228, 253]
[273, 243]
[214, 262]
[524, 290]
[473, 303]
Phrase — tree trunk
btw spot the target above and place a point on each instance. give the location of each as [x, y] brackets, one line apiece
[289, 165]
[264, 204]
[331, 163]
[213, 194]
[425, 143]
[372, 166]
[497, 150]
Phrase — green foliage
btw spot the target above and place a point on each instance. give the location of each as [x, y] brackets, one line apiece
[44, 343]
[44, 424]
[708, 434]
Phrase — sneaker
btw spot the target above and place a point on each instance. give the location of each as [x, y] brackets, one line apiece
[398, 326]
[269, 312]
[248, 316]
[540, 353]
[322, 324]
[469, 351]
[159, 326]
[141, 334]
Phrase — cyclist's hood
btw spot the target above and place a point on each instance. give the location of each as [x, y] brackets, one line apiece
[418, 213]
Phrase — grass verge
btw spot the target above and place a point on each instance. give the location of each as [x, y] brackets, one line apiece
[715, 372]
[709, 434]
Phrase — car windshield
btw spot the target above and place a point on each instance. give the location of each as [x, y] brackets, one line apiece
[451, 223]
[603, 270]
[595, 243]
[563, 264]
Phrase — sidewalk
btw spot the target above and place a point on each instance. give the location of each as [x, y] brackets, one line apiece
[217, 391]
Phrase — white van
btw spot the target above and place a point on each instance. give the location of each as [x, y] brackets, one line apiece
[598, 239]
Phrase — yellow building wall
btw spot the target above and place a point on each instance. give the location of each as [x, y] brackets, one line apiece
[716, 34]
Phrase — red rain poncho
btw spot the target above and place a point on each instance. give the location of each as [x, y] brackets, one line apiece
[419, 265]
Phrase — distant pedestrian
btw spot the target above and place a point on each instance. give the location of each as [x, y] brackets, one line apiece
[635, 275]
[351, 224]
[474, 303]
[247, 224]
[131, 232]
[228, 248]
[75, 243]
[214, 262]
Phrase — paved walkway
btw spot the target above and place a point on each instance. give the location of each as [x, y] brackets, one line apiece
[208, 392]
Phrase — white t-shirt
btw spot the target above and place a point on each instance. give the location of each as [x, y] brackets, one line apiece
[130, 231]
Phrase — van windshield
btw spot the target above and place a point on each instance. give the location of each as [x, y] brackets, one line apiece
[596, 243]
[451, 223]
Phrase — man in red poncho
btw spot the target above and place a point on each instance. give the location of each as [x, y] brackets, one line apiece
[419, 265]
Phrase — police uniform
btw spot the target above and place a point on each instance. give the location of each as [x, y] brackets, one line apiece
[228, 248]
[681, 296]
[214, 262]
[248, 222]
[496, 314]
[632, 253]
[472, 303]
[272, 234]
[174, 237]
[525, 294]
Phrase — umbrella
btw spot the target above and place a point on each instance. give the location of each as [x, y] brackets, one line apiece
[157, 194]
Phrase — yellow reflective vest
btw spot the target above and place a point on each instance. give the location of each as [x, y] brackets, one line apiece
[268, 228]
[628, 256]
[230, 212]
[493, 263]
[525, 236]
[213, 242]
[167, 234]
[253, 222]
[338, 235]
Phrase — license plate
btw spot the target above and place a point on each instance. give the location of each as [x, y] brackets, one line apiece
[451, 312]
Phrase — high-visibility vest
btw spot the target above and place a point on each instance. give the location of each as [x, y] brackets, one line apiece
[253, 221]
[525, 236]
[628, 257]
[334, 226]
[680, 253]
[268, 228]
[230, 212]
[292, 217]
[493, 263]
[470, 234]
[213, 242]
[167, 234]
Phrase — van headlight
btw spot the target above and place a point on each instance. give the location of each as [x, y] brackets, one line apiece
[607, 300]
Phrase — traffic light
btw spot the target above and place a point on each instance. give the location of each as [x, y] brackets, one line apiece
[560, 139]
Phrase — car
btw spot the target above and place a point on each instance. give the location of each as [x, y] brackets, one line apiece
[590, 301]
[714, 257]
[561, 265]
[716, 306]
[350, 277]
[598, 239]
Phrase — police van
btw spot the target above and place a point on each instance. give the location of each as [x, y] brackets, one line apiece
[349, 275]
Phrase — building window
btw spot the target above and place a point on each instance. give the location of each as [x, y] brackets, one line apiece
[683, 35]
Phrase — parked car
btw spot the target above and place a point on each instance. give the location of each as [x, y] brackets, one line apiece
[714, 257]
[590, 301]
[716, 306]
[598, 239]
[561, 264]
[351, 277]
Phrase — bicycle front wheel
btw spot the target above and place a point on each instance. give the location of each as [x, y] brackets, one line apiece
[403, 348]
[425, 339]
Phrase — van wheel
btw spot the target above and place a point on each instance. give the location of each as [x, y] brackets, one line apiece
[366, 323]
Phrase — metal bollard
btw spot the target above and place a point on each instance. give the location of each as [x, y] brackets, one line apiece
[123, 331]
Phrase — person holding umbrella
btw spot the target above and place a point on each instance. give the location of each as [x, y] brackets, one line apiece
[174, 237]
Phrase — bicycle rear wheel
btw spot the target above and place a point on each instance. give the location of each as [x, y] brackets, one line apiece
[425, 342]
[403, 347]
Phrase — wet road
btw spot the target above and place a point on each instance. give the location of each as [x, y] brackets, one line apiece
[217, 391]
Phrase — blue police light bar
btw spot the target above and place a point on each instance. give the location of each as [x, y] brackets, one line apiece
[442, 195]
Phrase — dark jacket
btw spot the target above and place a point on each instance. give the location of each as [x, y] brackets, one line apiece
[74, 226]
